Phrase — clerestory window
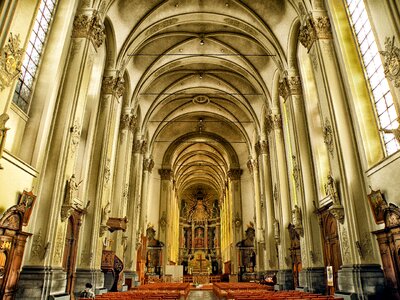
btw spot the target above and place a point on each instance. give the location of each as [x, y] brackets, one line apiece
[34, 50]
[374, 72]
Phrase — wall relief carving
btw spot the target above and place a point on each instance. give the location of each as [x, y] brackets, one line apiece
[328, 136]
[10, 61]
[391, 65]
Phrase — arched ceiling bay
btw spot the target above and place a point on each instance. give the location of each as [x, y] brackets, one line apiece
[201, 73]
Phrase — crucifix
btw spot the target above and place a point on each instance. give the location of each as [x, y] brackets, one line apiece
[200, 260]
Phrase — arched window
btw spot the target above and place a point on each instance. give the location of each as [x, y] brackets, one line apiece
[34, 49]
[374, 72]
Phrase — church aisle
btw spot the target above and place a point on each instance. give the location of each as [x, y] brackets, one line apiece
[204, 295]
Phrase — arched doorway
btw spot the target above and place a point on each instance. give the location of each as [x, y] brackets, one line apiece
[332, 254]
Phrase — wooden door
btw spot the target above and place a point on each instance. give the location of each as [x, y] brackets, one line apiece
[70, 250]
[295, 254]
[332, 254]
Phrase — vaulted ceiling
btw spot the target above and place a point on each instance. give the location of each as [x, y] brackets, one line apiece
[201, 73]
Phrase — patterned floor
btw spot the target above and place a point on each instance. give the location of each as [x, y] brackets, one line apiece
[203, 295]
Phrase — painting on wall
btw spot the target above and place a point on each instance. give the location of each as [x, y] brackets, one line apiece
[378, 205]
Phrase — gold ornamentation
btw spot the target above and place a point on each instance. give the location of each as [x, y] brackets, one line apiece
[3, 133]
[113, 86]
[391, 65]
[328, 136]
[90, 27]
[10, 61]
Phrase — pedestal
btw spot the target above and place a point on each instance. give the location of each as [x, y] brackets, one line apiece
[284, 279]
[366, 281]
[312, 280]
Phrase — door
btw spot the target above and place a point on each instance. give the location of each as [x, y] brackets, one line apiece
[332, 254]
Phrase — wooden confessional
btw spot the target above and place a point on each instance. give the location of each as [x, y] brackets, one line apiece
[389, 248]
[12, 243]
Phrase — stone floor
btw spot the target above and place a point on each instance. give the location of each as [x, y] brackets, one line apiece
[203, 295]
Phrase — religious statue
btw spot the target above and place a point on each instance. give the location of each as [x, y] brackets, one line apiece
[330, 190]
[72, 190]
[297, 220]
[105, 214]
[276, 231]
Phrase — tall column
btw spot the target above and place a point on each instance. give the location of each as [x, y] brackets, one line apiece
[311, 276]
[87, 36]
[236, 214]
[359, 253]
[148, 165]
[282, 200]
[262, 148]
[134, 231]
[252, 165]
[165, 203]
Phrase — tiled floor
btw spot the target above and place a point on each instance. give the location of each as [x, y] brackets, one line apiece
[203, 295]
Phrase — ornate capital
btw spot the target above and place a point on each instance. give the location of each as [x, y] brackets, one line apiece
[234, 174]
[90, 27]
[10, 61]
[261, 147]
[290, 86]
[137, 146]
[166, 174]
[322, 27]
[113, 86]
[307, 34]
[125, 121]
[274, 122]
[148, 164]
[133, 123]
[391, 64]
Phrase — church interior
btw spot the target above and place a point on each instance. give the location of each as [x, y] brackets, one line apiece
[199, 142]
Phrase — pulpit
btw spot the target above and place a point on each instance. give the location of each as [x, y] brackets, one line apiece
[112, 268]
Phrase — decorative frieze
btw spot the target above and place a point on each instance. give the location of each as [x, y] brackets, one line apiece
[148, 165]
[165, 174]
[391, 64]
[90, 27]
[10, 61]
[113, 86]
[234, 174]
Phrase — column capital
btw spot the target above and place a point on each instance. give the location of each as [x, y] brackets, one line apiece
[125, 121]
[133, 123]
[234, 174]
[139, 146]
[290, 85]
[274, 121]
[113, 86]
[313, 29]
[148, 164]
[166, 174]
[90, 27]
[261, 147]
[252, 165]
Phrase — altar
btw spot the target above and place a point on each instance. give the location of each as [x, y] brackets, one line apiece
[200, 267]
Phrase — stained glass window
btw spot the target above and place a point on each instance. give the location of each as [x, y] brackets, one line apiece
[34, 49]
[385, 109]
